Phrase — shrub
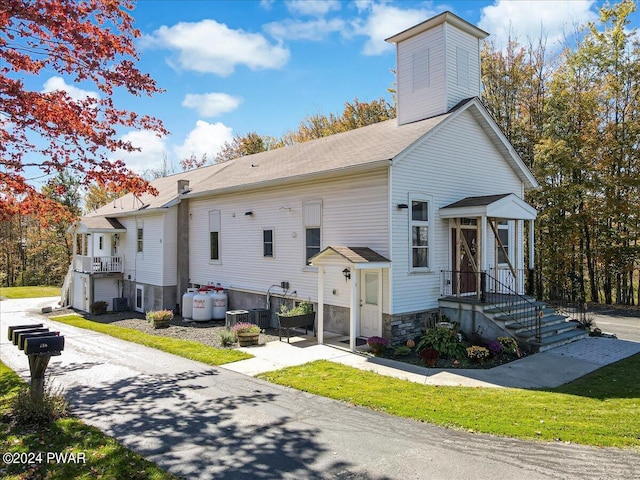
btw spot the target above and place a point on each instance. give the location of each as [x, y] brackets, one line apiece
[509, 345]
[429, 355]
[477, 353]
[377, 344]
[495, 348]
[444, 340]
[303, 308]
[159, 315]
[245, 327]
[402, 350]
[26, 410]
[227, 338]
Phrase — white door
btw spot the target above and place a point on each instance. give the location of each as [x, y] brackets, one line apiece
[140, 298]
[370, 313]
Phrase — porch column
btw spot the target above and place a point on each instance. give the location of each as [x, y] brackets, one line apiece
[482, 263]
[353, 317]
[516, 254]
[320, 327]
[531, 244]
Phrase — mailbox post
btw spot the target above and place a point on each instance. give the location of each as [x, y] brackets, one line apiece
[39, 344]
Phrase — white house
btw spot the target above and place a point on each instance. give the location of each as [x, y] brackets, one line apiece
[375, 225]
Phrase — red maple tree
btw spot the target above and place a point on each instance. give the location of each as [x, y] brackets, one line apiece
[89, 42]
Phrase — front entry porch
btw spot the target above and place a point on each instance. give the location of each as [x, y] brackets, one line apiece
[361, 271]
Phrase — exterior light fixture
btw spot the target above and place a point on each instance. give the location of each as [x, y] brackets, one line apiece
[402, 206]
[248, 214]
[347, 274]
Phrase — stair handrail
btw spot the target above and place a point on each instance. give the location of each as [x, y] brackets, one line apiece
[66, 287]
[561, 302]
[517, 306]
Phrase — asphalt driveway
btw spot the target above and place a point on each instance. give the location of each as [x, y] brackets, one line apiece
[206, 422]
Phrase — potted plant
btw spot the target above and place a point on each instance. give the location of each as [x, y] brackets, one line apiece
[429, 356]
[246, 333]
[159, 318]
[301, 316]
[98, 308]
[377, 345]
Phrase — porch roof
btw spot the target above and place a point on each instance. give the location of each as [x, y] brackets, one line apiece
[100, 224]
[505, 205]
[360, 257]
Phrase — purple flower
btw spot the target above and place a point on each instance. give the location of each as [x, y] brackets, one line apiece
[377, 342]
[495, 348]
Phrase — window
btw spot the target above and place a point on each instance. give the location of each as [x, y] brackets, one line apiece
[420, 234]
[214, 235]
[312, 212]
[140, 238]
[100, 242]
[503, 235]
[267, 243]
[312, 242]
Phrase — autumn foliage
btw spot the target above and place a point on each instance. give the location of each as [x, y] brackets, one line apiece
[89, 43]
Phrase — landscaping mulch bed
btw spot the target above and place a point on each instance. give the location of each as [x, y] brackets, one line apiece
[207, 333]
[413, 359]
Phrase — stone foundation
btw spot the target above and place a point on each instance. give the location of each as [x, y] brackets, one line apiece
[397, 329]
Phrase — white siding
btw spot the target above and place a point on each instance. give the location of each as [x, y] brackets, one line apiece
[458, 161]
[461, 43]
[430, 100]
[159, 248]
[354, 213]
[105, 290]
[170, 246]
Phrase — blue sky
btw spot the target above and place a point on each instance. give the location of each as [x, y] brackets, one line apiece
[232, 67]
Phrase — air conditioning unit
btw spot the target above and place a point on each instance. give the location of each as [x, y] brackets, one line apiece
[120, 304]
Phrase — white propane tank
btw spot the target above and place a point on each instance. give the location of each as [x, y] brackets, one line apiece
[187, 303]
[219, 310]
[202, 306]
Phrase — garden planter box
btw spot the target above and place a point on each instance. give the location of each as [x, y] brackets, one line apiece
[246, 338]
[306, 321]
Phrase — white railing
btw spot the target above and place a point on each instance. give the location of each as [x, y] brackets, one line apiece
[98, 264]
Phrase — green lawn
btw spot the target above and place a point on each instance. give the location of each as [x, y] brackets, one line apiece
[29, 292]
[104, 457]
[601, 409]
[182, 348]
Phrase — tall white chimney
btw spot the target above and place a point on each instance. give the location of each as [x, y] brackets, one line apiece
[437, 66]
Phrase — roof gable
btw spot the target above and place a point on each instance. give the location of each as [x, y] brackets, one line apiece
[487, 124]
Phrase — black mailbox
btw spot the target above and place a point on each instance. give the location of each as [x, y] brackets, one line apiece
[17, 333]
[51, 345]
[13, 328]
[22, 337]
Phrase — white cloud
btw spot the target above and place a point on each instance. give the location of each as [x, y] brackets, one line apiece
[58, 83]
[152, 150]
[211, 47]
[314, 30]
[211, 104]
[385, 21]
[267, 4]
[316, 8]
[533, 19]
[205, 138]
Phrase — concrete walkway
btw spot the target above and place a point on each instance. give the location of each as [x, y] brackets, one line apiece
[202, 422]
[543, 370]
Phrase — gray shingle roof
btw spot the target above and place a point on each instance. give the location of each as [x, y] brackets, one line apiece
[359, 147]
[354, 254]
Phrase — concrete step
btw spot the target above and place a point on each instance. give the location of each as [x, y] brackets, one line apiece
[558, 340]
[548, 330]
[547, 320]
[502, 316]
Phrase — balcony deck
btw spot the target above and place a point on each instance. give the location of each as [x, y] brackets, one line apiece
[94, 265]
